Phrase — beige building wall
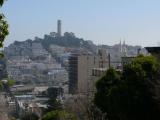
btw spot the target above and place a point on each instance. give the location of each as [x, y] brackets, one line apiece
[86, 63]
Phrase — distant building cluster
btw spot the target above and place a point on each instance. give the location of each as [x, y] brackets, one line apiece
[30, 63]
[33, 101]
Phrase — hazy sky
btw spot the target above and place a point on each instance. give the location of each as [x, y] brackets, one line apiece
[102, 21]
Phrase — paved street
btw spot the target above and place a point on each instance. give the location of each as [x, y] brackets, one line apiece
[3, 108]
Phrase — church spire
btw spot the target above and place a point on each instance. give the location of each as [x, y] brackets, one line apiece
[120, 47]
[124, 49]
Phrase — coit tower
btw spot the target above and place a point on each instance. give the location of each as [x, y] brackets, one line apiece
[59, 24]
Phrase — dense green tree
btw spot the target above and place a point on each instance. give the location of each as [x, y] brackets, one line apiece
[10, 82]
[53, 104]
[104, 88]
[53, 92]
[3, 28]
[3, 69]
[58, 115]
[54, 109]
[1, 2]
[30, 116]
[132, 94]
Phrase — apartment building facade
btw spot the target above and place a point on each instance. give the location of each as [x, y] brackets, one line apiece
[80, 70]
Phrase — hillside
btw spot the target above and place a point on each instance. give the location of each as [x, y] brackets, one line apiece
[42, 46]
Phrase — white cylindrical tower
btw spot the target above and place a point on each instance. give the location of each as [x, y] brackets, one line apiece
[59, 25]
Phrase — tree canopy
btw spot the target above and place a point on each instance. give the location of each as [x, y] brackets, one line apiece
[1, 2]
[3, 27]
[58, 115]
[132, 94]
[30, 116]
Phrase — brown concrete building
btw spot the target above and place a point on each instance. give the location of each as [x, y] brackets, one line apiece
[80, 70]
